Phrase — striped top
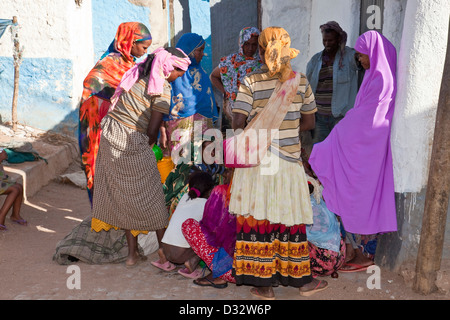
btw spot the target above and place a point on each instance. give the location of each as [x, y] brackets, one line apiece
[253, 95]
[324, 91]
[134, 108]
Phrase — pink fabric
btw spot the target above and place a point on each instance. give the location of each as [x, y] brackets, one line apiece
[196, 239]
[163, 64]
[354, 163]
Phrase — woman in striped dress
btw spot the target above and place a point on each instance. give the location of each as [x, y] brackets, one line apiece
[271, 200]
[129, 193]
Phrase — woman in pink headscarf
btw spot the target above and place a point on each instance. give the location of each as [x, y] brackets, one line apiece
[354, 163]
[129, 194]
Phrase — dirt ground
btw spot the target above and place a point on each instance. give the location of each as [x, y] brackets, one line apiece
[28, 272]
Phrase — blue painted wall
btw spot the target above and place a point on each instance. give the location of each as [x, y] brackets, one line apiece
[45, 87]
[45, 91]
[107, 15]
[200, 14]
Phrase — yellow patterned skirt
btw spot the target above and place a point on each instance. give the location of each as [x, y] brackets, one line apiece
[269, 254]
[98, 225]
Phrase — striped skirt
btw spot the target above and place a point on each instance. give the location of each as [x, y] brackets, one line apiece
[128, 190]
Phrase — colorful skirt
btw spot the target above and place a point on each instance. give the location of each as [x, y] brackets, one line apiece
[129, 194]
[92, 111]
[270, 254]
[196, 238]
[325, 262]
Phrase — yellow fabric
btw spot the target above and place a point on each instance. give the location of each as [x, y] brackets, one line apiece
[264, 260]
[278, 52]
[98, 225]
[165, 166]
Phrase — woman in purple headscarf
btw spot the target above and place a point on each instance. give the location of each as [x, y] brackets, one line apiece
[354, 163]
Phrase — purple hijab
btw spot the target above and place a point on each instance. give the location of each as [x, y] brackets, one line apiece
[217, 224]
[354, 164]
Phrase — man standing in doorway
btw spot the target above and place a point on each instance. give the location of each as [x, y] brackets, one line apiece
[333, 75]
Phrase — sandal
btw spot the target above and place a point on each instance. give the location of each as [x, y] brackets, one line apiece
[191, 275]
[21, 222]
[3, 228]
[210, 283]
[166, 266]
[349, 267]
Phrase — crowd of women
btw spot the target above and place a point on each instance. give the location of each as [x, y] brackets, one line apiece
[245, 222]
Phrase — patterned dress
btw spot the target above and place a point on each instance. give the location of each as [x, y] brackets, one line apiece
[99, 86]
[129, 194]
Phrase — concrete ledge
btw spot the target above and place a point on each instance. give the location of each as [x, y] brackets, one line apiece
[36, 174]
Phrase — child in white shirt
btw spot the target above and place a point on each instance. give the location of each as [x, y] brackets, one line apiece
[174, 247]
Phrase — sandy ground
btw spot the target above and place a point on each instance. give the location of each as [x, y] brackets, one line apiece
[28, 272]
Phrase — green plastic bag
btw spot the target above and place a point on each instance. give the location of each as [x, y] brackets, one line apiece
[158, 152]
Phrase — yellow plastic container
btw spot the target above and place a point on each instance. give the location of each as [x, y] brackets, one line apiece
[165, 166]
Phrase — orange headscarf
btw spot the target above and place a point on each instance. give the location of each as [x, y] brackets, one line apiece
[127, 33]
[277, 44]
[104, 78]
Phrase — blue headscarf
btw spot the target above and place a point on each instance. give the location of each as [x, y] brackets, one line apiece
[192, 93]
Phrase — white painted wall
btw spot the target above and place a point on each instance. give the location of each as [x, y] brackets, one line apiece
[418, 29]
[295, 17]
[56, 36]
[344, 12]
[158, 23]
[420, 69]
[394, 12]
[79, 25]
[303, 18]
[43, 29]
[53, 29]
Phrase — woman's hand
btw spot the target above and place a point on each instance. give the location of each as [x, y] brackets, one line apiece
[216, 79]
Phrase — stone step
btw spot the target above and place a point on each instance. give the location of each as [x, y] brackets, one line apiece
[34, 175]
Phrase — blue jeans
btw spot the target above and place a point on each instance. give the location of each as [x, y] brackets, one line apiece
[324, 125]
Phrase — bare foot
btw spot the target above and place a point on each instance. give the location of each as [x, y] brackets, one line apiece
[162, 256]
[313, 287]
[133, 259]
[265, 293]
[349, 252]
[192, 263]
[358, 263]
